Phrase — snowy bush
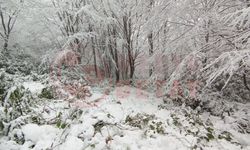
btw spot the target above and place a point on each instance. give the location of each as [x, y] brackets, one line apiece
[70, 82]
[228, 74]
[2, 87]
[18, 63]
[150, 125]
[47, 93]
[224, 78]
[3, 60]
[16, 108]
[185, 84]
[17, 103]
[139, 120]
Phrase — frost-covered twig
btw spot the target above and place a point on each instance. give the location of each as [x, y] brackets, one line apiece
[228, 63]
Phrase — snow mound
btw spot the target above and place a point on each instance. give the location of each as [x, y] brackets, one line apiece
[33, 87]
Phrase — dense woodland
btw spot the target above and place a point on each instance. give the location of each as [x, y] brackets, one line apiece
[120, 74]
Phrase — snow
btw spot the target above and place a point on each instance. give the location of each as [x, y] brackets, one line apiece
[199, 53]
[6, 145]
[110, 112]
[41, 136]
[73, 143]
[33, 87]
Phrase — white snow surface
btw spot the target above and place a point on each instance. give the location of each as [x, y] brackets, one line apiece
[33, 87]
[116, 134]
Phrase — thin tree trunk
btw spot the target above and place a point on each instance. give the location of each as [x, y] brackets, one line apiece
[151, 52]
[150, 42]
[5, 46]
[116, 58]
[94, 53]
[245, 81]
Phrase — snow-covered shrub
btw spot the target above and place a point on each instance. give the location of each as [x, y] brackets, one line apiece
[70, 82]
[3, 61]
[139, 120]
[186, 83]
[149, 123]
[46, 62]
[224, 78]
[17, 136]
[71, 90]
[21, 64]
[15, 107]
[47, 93]
[17, 103]
[155, 127]
[17, 62]
[228, 74]
[201, 127]
[66, 75]
[2, 86]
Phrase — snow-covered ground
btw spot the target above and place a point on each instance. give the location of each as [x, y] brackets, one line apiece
[127, 119]
[33, 87]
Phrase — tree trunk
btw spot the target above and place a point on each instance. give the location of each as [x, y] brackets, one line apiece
[127, 34]
[116, 61]
[6, 44]
[94, 53]
[151, 52]
[150, 42]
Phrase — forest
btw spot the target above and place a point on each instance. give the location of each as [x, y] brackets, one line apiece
[124, 74]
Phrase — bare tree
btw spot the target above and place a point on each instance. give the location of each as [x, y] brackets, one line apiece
[8, 21]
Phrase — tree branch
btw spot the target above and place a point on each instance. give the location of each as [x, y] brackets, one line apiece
[3, 23]
[245, 81]
[2, 35]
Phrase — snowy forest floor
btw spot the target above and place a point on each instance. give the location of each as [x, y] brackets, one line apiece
[133, 119]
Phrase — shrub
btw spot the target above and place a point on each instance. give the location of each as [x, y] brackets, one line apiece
[47, 93]
[16, 105]
[17, 102]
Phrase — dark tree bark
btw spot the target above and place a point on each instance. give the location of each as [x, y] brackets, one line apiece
[151, 52]
[127, 33]
[5, 46]
[117, 72]
[245, 81]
